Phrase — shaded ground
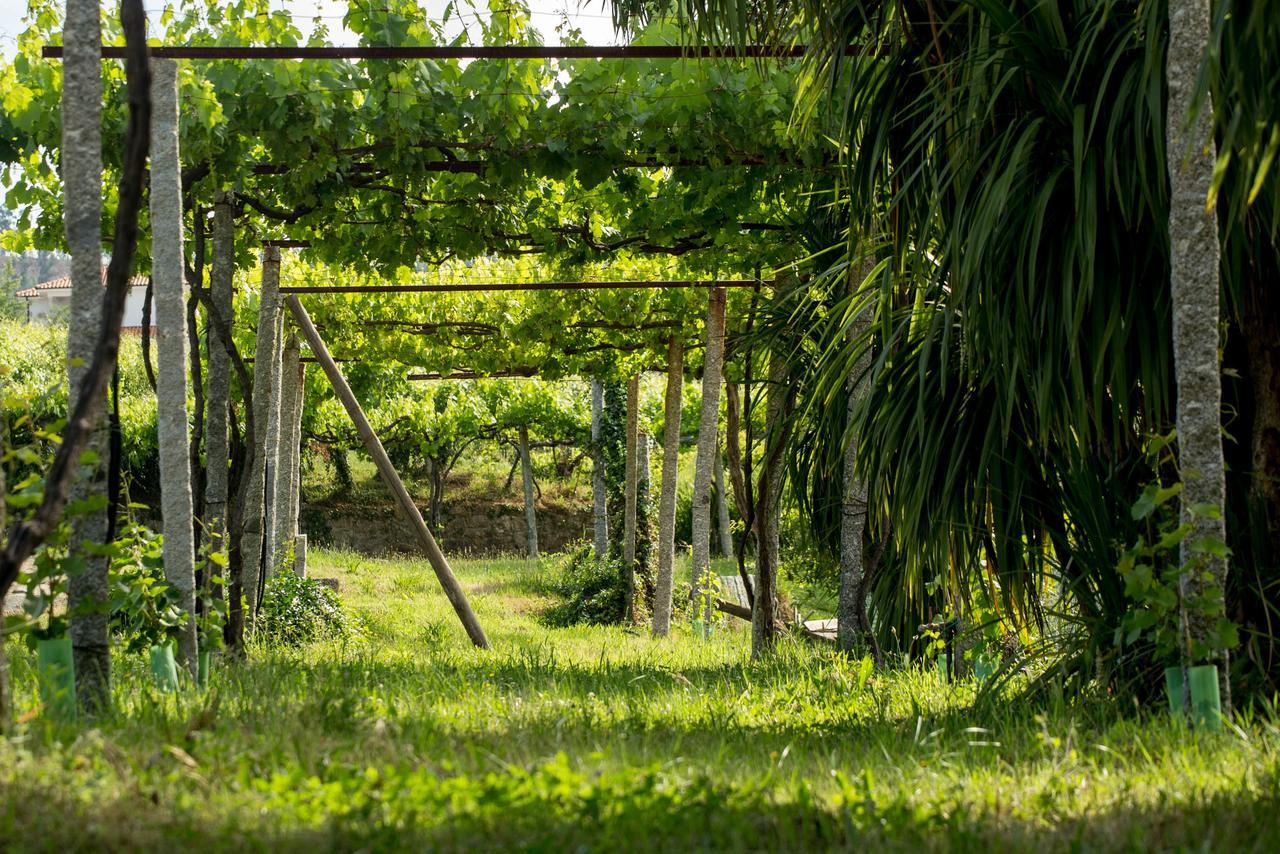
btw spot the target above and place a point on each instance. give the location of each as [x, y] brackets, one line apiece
[605, 739]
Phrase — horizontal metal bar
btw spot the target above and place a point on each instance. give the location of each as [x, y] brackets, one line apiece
[524, 286]
[753, 51]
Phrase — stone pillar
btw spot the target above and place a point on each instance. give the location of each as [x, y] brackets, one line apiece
[216, 443]
[600, 513]
[667, 497]
[264, 393]
[172, 419]
[80, 164]
[283, 521]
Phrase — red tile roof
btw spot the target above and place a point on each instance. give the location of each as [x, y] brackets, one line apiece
[63, 283]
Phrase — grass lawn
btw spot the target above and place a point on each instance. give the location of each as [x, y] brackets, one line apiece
[604, 739]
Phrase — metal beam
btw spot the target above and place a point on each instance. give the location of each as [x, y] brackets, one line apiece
[526, 286]
[275, 52]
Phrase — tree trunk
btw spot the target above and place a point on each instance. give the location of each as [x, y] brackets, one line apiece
[630, 498]
[217, 451]
[81, 167]
[853, 626]
[599, 506]
[1194, 287]
[708, 428]
[769, 505]
[733, 453]
[448, 582]
[530, 511]
[253, 514]
[667, 500]
[282, 493]
[722, 510]
[171, 332]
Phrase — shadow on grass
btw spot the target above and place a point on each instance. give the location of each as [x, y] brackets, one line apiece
[553, 808]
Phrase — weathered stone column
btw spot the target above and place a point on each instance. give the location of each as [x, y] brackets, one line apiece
[283, 518]
[81, 168]
[630, 497]
[708, 430]
[272, 456]
[1195, 292]
[217, 400]
[264, 392]
[530, 511]
[169, 283]
[667, 498]
[294, 509]
[599, 508]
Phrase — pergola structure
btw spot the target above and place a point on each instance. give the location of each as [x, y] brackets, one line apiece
[269, 526]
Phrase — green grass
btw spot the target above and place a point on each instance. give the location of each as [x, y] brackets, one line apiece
[605, 739]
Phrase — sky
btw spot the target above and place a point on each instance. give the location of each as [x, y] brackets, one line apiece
[592, 18]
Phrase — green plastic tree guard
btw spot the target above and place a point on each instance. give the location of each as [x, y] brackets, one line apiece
[1206, 705]
[164, 668]
[56, 671]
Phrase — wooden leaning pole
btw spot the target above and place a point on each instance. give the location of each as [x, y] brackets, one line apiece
[452, 589]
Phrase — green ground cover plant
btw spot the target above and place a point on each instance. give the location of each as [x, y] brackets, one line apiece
[600, 738]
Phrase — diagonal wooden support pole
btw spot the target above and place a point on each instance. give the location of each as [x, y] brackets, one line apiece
[452, 589]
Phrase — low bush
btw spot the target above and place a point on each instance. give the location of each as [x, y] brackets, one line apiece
[295, 611]
[592, 589]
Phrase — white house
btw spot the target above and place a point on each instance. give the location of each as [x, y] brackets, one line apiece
[52, 299]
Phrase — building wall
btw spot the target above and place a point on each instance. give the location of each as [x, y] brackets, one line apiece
[54, 304]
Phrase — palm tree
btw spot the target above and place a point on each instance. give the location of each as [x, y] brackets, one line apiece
[1024, 348]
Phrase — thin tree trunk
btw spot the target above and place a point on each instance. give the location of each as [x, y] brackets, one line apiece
[1194, 286]
[452, 589]
[667, 500]
[171, 332]
[81, 167]
[853, 628]
[764, 612]
[722, 509]
[599, 506]
[217, 451]
[283, 532]
[708, 428]
[148, 298]
[253, 513]
[738, 479]
[630, 497]
[530, 511]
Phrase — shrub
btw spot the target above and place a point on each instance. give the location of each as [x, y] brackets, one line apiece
[593, 590]
[295, 611]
